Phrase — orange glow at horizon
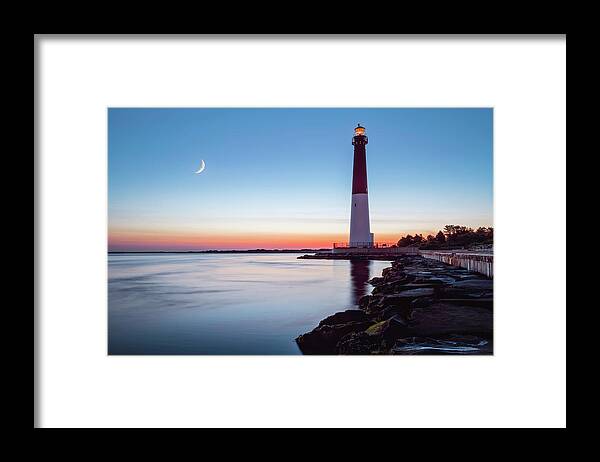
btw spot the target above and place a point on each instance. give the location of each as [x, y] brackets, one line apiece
[136, 240]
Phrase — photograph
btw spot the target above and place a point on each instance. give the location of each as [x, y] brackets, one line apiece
[245, 231]
[300, 231]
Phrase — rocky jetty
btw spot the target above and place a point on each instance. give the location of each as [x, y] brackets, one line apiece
[417, 306]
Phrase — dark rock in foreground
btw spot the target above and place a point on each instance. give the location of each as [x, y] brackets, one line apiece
[324, 338]
[453, 344]
[418, 306]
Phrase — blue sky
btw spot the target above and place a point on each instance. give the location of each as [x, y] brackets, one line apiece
[283, 176]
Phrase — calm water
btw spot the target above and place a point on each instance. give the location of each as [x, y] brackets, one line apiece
[227, 303]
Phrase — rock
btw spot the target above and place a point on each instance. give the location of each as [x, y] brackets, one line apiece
[422, 302]
[376, 281]
[373, 305]
[359, 344]
[474, 284]
[387, 271]
[428, 281]
[444, 318]
[482, 302]
[391, 311]
[395, 280]
[452, 344]
[385, 288]
[393, 286]
[394, 300]
[323, 340]
[369, 300]
[459, 293]
[344, 317]
[413, 293]
[389, 330]
[416, 285]
[388, 303]
[441, 280]
[364, 301]
[376, 329]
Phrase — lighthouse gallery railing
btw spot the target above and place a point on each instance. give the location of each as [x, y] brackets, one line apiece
[370, 245]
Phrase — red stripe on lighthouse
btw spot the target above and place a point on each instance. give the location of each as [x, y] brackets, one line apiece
[359, 174]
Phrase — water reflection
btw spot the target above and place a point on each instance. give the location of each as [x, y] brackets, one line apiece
[359, 275]
[225, 304]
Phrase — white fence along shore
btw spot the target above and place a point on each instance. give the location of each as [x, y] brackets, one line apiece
[479, 262]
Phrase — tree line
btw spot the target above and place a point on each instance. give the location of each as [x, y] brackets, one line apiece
[451, 237]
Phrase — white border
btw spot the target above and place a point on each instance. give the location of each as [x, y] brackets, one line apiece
[522, 385]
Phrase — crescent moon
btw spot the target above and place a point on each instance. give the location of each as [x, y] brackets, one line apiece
[202, 166]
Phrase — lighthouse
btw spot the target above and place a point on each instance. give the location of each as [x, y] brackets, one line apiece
[360, 229]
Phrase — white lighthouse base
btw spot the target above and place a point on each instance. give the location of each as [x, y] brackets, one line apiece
[360, 229]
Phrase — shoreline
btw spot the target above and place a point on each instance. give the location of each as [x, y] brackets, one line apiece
[334, 256]
[417, 306]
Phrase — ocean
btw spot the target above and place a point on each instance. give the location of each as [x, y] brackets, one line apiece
[225, 304]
